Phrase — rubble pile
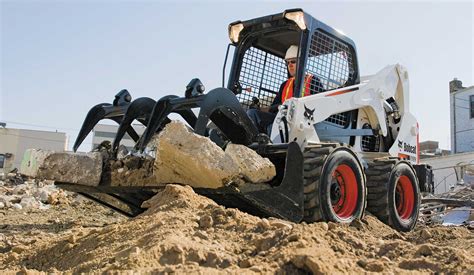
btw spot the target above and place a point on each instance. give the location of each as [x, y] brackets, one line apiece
[19, 193]
[454, 208]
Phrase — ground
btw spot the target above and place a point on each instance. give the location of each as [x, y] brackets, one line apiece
[186, 233]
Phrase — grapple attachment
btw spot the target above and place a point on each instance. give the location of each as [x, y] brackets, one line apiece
[282, 197]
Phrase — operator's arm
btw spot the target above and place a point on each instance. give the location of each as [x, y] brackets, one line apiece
[277, 101]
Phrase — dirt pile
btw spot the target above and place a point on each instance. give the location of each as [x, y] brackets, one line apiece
[185, 232]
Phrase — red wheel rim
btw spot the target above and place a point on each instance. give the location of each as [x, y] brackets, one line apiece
[404, 197]
[344, 192]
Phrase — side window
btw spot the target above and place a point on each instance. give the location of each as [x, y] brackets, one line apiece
[471, 101]
[330, 60]
[261, 76]
[2, 160]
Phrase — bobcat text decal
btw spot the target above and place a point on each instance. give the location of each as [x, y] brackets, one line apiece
[407, 147]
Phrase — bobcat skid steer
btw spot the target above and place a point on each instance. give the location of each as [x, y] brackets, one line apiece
[349, 146]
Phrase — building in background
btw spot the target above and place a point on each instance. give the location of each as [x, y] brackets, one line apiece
[462, 117]
[103, 132]
[450, 170]
[14, 142]
[430, 149]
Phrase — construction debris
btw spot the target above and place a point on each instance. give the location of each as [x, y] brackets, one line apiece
[454, 208]
[187, 158]
[78, 168]
[31, 194]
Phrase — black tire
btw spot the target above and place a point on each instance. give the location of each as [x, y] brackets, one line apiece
[393, 193]
[327, 170]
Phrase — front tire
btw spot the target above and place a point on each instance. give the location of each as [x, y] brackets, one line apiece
[334, 185]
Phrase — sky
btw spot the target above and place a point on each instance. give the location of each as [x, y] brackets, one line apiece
[60, 58]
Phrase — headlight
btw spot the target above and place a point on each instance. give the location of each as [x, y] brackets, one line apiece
[234, 31]
[297, 17]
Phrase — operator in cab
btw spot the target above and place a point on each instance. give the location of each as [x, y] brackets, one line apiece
[263, 117]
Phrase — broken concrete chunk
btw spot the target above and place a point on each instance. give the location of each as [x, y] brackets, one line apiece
[187, 158]
[251, 165]
[79, 168]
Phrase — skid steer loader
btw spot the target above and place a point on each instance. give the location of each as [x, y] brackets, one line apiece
[352, 146]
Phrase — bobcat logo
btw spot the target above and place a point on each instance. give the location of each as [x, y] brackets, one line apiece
[400, 144]
[308, 114]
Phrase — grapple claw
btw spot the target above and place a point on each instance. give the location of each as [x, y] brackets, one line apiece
[140, 109]
[159, 118]
[113, 111]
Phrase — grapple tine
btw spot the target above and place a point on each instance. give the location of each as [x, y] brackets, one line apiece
[113, 111]
[94, 115]
[139, 109]
[157, 117]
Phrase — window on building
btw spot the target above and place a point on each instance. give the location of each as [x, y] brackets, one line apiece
[471, 100]
[2, 160]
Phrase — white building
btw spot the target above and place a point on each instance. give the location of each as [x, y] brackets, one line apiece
[14, 142]
[446, 167]
[103, 132]
[462, 117]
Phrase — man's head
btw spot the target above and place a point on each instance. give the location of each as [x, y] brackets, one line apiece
[291, 57]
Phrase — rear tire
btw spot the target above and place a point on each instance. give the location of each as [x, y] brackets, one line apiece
[393, 193]
[334, 185]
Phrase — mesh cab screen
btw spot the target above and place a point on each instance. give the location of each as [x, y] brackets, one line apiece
[261, 76]
[331, 63]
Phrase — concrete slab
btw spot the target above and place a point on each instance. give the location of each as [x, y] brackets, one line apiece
[79, 168]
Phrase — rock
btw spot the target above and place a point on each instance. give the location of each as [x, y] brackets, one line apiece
[357, 223]
[374, 266]
[425, 250]
[251, 165]
[17, 206]
[122, 151]
[310, 263]
[264, 224]
[293, 238]
[281, 224]
[206, 221]
[362, 263]
[78, 168]
[315, 266]
[22, 189]
[245, 263]
[5, 199]
[43, 196]
[202, 235]
[2, 205]
[29, 203]
[324, 226]
[58, 197]
[181, 153]
[425, 234]
[332, 226]
[72, 239]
